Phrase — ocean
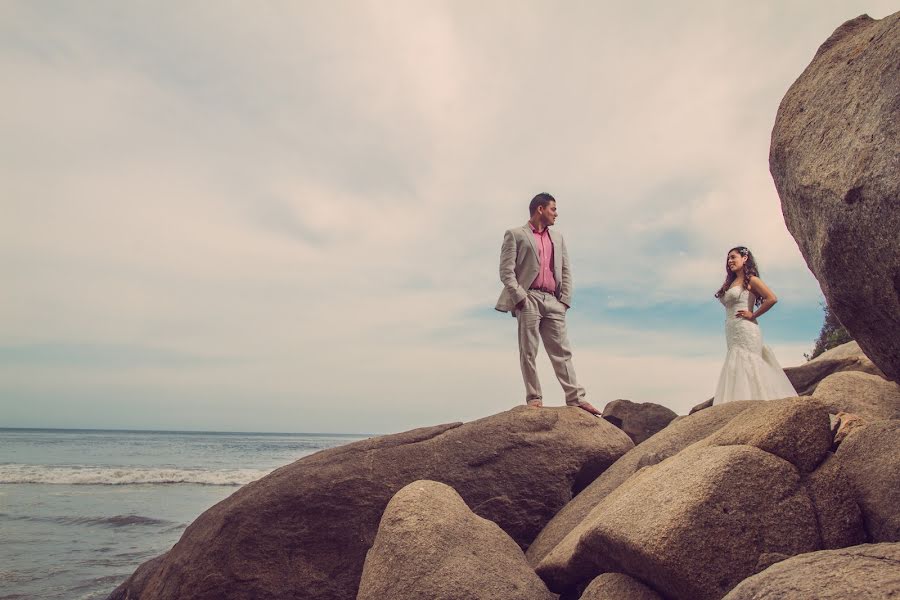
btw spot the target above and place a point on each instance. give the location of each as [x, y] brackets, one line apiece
[81, 509]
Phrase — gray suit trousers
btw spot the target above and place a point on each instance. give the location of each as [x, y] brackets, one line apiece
[544, 316]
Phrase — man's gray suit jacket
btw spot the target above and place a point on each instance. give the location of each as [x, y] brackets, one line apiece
[519, 266]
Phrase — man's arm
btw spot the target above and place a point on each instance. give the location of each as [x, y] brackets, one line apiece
[508, 269]
[565, 286]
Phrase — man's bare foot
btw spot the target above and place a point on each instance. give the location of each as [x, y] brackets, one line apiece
[589, 408]
[534, 403]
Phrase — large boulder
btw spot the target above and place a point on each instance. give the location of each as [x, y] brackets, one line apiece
[866, 572]
[861, 394]
[618, 586]
[303, 530]
[430, 545]
[639, 421]
[835, 160]
[668, 442]
[796, 429]
[846, 357]
[693, 526]
[870, 459]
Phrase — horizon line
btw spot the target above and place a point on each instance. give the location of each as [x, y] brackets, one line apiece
[186, 431]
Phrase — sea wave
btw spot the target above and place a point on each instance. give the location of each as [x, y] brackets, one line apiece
[92, 475]
[113, 521]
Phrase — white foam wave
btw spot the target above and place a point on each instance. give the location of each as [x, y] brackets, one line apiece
[90, 475]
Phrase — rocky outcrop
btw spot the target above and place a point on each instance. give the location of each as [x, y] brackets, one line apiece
[430, 545]
[618, 586]
[866, 572]
[696, 524]
[639, 421]
[693, 526]
[867, 396]
[870, 460]
[835, 160]
[303, 530]
[846, 357]
[666, 443]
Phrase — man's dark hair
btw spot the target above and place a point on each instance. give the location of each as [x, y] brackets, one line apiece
[542, 199]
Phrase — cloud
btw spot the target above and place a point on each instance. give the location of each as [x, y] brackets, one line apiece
[289, 217]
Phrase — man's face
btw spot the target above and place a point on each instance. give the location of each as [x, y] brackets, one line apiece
[547, 213]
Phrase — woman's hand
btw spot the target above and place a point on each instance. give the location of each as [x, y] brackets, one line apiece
[745, 314]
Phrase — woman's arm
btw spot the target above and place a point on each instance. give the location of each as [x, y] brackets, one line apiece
[768, 299]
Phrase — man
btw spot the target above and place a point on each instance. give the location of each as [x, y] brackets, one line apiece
[537, 290]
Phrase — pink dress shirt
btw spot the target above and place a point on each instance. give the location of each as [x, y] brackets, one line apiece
[545, 280]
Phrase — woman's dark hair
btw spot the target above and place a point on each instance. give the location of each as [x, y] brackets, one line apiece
[542, 199]
[750, 270]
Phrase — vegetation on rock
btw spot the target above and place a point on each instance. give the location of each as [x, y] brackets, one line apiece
[831, 336]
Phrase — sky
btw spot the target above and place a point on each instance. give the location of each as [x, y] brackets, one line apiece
[287, 216]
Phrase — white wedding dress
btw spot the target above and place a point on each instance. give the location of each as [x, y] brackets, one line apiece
[751, 371]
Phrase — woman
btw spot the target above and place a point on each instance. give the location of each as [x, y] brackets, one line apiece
[751, 371]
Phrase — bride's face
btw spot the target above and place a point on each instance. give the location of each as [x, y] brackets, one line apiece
[735, 261]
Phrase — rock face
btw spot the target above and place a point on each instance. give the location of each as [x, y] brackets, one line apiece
[867, 396]
[867, 572]
[870, 459]
[618, 586]
[639, 421]
[430, 545]
[303, 530]
[693, 526]
[835, 160]
[666, 443]
[846, 357]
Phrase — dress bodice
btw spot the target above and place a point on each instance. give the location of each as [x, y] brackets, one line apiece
[740, 332]
[737, 298]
